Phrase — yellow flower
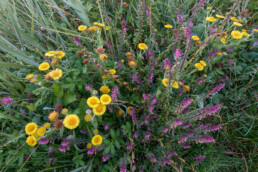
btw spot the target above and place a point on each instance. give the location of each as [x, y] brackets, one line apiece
[47, 125]
[142, 46]
[196, 38]
[186, 88]
[88, 117]
[99, 110]
[92, 29]
[93, 101]
[95, 132]
[205, 75]
[31, 128]
[132, 64]
[210, 19]
[220, 53]
[219, 16]
[103, 57]
[129, 110]
[168, 26]
[71, 121]
[237, 24]
[59, 54]
[41, 131]
[255, 30]
[243, 30]
[50, 53]
[112, 71]
[234, 19]
[236, 34]
[203, 63]
[64, 111]
[104, 77]
[82, 27]
[175, 84]
[165, 82]
[95, 23]
[96, 140]
[33, 80]
[105, 99]
[56, 74]
[101, 25]
[104, 89]
[52, 116]
[44, 66]
[199, 66]
[107, 27]
[209, 8]
[122, 61]
[223, 40]
[31, 141]
[245, 34]
[29, 76]
[88, 145]
[120, 113]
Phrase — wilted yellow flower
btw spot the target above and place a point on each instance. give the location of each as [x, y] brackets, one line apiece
[47, 125]
[29, 76]
[96, 140]
[132, 64]
[88, 145]
[82, 27]
[236, 34]
[33, 80]
[56, 74]
[95, 132]
[104, 89]
[99, 110]
[103, 57]
[44, 66]
[210, 19]
[64, 111]
[93, 101]
[112, 71]
[165, 82]
[237, 24]
[186, 88]
[196, 38]
[31, 128]
[199, 66]
[219, 16]
[168, 26]
[71, 121]
[52, 116]
[142, 46]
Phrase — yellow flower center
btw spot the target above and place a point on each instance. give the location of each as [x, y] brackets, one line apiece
[71, 121]
[99, 108]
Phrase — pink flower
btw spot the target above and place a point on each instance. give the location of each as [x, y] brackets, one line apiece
[7, 101]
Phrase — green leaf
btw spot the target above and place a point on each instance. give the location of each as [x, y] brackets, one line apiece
[69, 98]
[31, 107]
[58, 89]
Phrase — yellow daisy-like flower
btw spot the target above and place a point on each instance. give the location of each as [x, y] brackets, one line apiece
[59, 54]
[88, 145]
[142, 46]
[237, 24]
[186, 88]
[82, 27]
[132, 64]
[96, 140]
[56, 74]
[255, 30]
[210, 19]
[234, 19]
[33, 80]
[245, 34]
[50, 53]
[101, 25]
[199, 66]
[223, 40]
[64, 111]
[168, 26]
[196, 38]
[52, 116]
[88, 117]
[112, 71]
[209, 8]
[71, 121]
[95, 132]
[31, 141]
[236, 34]
[41, 131]
[104, 89]
[29, 76]
[105, 99]
[175, 84]
[93, 101]
[47, 125]
[219, 16]
[99, 110]
[243, 30]
[31, 128]
[203, 63]
[44, 66]
[122, 61]
[165, 82]
[205, 75]
[103, 57]
[220, 53]
[107, 27]
[104, 77]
